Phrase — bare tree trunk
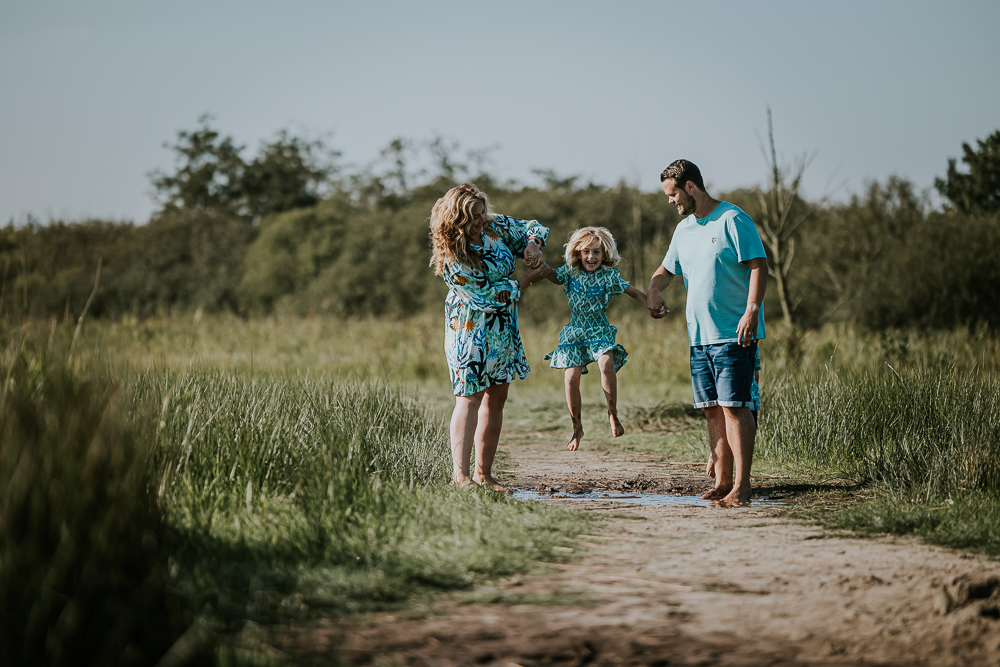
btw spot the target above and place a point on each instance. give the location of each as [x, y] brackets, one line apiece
[777, 225]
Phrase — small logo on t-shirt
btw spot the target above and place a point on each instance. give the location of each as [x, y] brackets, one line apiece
[714, 238]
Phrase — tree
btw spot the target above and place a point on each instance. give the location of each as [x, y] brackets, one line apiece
[212, 175]
[209, 175]
[979, 190]
[782, 212]
[290, 173]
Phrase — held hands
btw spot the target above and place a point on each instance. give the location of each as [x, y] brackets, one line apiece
[656, 305]
[533, 254]
[539, 272]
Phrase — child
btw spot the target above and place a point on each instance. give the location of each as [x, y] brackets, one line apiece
[589, 280]
[754, 408]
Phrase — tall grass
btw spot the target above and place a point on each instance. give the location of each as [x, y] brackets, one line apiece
[922, 431]
[82, 575]
[337, 492]
[133, 503]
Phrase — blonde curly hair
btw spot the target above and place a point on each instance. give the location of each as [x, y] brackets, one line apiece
[450, 220]
[584, 237]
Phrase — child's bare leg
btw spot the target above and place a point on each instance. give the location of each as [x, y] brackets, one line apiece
[572, 378]
[609, 381]
[488, 435]
[464, 420]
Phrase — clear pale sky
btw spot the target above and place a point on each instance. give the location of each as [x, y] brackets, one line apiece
[90, 91]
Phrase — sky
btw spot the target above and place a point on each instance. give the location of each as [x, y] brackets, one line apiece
[90, 92]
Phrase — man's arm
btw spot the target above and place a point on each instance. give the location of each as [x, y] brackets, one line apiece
[655, 302]
[746, 331]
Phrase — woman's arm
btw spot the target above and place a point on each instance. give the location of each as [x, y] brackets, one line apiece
[636, 294]
[478, 293]
[525, 238]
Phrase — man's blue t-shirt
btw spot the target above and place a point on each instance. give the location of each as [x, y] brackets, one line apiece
[709, 252]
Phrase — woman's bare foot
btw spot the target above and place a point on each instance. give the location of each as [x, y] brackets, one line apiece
[574, 441]
[461, 480]
[490, 483]
[718, 493]
[617, 430]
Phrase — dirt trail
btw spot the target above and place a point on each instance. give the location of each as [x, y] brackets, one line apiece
[698, 586]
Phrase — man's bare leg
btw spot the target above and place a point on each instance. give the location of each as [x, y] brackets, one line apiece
[741, 432]
[488, 435]
[609, 381]
[464, 420]
[721, 453]
[572, 379]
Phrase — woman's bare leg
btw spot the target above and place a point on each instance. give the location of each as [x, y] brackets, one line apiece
[609, 381]
[464, 420]
[488, 435]
[572, 378]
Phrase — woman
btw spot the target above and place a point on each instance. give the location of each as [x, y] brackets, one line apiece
[474, 252]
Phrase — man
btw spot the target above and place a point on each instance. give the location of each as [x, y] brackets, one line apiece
[718, 251]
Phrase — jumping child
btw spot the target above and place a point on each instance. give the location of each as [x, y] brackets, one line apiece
[589, 280]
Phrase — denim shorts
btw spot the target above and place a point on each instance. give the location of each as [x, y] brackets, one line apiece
[722, 374]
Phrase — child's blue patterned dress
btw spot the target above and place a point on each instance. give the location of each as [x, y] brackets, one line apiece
[588, 334]
[482, 342]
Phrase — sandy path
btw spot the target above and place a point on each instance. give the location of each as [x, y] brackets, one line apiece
[698, 586]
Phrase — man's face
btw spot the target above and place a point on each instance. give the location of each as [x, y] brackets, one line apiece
[679, 197]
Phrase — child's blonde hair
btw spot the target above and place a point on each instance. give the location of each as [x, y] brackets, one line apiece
[451, 218]
[584, 237]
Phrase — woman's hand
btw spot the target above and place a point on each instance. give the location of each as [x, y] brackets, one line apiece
[533, 253]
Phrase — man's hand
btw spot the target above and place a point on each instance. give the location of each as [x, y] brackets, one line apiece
[533, 254]
[656, 305]
[746, 330]
[655, 302]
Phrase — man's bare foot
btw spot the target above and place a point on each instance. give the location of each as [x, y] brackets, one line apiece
[617, 430]
[737, 497]
[461, 480]
[574, 441]
[718, 493]
[490, 483]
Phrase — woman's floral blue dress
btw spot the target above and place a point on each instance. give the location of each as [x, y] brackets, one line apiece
[482, 342]
[588, 334]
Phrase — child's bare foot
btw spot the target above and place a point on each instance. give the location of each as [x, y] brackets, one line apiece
[574, 441]
[617, 430]
[490, 483]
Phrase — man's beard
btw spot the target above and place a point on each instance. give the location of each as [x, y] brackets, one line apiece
[686, 206]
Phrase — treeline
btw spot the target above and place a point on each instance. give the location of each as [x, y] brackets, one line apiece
[291, 232]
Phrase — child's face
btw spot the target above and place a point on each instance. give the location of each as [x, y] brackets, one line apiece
[591, 257]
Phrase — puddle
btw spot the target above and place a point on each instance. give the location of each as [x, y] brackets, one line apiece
[668, 499]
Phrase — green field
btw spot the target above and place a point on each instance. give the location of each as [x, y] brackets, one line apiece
[228, 470]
